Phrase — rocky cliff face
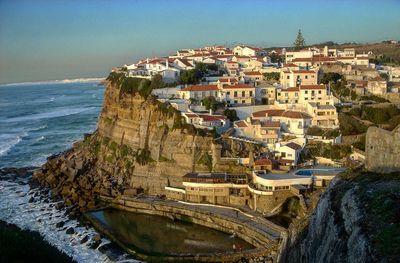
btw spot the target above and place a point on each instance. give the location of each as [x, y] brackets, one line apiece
[356, 220]
[139, 143]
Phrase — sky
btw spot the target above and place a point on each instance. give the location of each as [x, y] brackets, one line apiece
[55, 39]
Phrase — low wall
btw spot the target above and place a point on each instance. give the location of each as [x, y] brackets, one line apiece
[264, 243]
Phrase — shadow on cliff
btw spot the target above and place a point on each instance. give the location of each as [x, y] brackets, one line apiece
[356, 220]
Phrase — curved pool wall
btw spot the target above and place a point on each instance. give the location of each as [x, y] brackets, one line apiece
[265, 243]
[161, 236]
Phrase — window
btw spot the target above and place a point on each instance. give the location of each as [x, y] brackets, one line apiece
[243, 101]
[319, 92]
[288, 77]
[243, 93]
[235, 94]
[228, 93]
[286, 94]
[296, 94]
[251, 93]
[306, 91]
[306, 77]
[236, 101]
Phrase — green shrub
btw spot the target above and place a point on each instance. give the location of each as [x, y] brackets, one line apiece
[350, 126]
[125, 150]
[113, 146]
[206, 160]
[379, 115]
[143, 156]
[315, 131]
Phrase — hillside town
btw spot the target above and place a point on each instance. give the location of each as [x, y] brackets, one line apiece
[285, 103]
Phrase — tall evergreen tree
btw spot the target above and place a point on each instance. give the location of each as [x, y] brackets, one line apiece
[299, 43]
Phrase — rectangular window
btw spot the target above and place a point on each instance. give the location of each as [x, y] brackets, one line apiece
[243, 101]
[243, 93]
[319, 92]
[235, 94]
[228, 93]
[251, 93]
[306, 91]
[288, 77]
[306, 77]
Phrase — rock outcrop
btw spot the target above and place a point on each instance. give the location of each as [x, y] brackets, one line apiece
[351, 222]
[140, 145]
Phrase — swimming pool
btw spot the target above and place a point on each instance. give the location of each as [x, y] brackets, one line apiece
[309, 172]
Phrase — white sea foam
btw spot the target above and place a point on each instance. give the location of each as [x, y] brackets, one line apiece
[8, 141]
[51, 114]
[79, 80]
[42, 216]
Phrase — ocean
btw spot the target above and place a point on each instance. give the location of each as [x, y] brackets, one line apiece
[38, 120]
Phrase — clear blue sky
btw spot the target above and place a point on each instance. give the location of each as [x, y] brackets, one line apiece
[51, 39]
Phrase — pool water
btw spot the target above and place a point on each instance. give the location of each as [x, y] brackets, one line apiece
[309, 172]
[157, 235]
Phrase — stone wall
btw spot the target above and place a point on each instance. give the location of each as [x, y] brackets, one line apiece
[382, 150]
[264, 243]
[266, 203]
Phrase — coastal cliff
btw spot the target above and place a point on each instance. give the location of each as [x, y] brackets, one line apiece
[356, 220]
[140, 145]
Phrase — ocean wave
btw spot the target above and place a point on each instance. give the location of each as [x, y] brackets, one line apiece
[79, 80]
[49, 115]
[7, 142]
[41, 138]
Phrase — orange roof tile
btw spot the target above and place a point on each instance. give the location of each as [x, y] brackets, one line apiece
[240, 124]
[263, 161]
[269, 113]
[252, 73]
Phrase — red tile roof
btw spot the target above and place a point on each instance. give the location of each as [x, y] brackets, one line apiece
[291, 89]
[296, 115]
[293, 145]
[190, 115]
[269, 113]
[212, 117]
[241, 124]
[263, 161]
[303, 71]
[200, 88]
[290, 65]
[252, 73]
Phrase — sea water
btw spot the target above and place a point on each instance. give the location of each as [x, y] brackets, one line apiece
[36, 121]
